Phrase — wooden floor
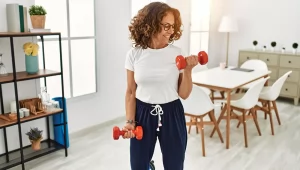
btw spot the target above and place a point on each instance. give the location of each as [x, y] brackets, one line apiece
[94, 149]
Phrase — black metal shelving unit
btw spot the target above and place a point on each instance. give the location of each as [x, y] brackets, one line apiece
[9, 158]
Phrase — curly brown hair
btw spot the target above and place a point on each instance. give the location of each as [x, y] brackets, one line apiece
[147, 23]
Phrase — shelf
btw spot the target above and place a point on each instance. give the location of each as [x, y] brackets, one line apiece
[26, 34]
[4, 123]
[29, 154]
[23, 75]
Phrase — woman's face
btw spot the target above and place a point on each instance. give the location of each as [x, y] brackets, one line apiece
[167, 29]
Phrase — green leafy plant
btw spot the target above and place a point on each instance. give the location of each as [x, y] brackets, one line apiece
[273, 43]
[34, 134]
[255, 42]
[37, 10]
[295, 45]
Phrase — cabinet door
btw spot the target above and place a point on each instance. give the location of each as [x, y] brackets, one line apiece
[293, 77]
[269, 59]
[244, 56]
[290, 61]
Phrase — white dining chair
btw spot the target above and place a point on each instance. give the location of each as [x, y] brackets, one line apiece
[254, 64]
[244, 102]
[268, 98]
[196, 107]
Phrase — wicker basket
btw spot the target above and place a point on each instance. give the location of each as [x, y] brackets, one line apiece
[38, 21]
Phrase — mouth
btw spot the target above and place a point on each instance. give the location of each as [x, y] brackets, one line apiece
[167, 36]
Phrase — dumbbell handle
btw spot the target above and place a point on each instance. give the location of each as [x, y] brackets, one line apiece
[138, 132]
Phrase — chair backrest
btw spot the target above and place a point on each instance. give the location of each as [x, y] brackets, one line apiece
[199, 68]
[276, 87]
[198, 102]
[255, 64]
[250, 98]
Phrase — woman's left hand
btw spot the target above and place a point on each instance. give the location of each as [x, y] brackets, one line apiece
[191, 62]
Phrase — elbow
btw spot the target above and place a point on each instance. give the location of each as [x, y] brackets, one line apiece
[184, 96]
[130, 93]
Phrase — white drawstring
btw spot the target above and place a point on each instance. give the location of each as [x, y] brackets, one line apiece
[159, 112]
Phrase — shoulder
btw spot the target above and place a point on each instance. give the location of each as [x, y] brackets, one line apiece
[134, 52]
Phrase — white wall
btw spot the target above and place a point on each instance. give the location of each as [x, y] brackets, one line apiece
[184, 8]
[26, 89]
[264, 21]
[113, 18]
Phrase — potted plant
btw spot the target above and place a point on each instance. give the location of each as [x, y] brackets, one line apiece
[35, 137]
[264, 48]
[31, 57]
[283, 49]
[37, 16]
[273, 45]
[254, 44]
[295, 46]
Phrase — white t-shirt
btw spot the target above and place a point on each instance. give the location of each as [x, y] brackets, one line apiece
[155, 73]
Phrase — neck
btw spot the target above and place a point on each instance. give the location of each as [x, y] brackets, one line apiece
[155, 44]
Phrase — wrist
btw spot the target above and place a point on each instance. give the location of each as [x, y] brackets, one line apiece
[131, 121]
[187, 71]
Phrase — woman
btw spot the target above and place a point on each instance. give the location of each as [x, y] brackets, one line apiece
[154, 86]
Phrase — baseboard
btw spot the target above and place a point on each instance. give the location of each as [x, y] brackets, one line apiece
[101, 125]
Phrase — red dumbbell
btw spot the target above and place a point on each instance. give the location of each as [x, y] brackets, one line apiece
[181, 62]
[138, 132]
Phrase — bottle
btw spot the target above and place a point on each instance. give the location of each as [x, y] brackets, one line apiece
[3, 71]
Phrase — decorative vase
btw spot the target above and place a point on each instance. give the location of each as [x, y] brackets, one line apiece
[282, 50]
[32, 64]
[36, 145]
[3, 71]
[294, 51]
[254, 47]
[38, 21]
[272, 49]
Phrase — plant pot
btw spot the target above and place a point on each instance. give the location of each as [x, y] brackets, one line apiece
[36, 145]
[273, 49]
[38, 21]
[32, 64]
[294, 51]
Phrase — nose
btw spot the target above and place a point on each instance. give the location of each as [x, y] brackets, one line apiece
[171, 30]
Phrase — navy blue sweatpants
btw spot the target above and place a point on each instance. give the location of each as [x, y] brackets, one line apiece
[165, 122]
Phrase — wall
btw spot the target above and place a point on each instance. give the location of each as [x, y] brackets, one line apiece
[112, 20]
[264, 21]
[26, 89]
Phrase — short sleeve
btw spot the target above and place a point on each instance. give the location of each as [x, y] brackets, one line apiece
[129, 62]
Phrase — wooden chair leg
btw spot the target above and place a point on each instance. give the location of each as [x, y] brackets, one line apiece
[191, 120]
[212, 115]
[252, 111]
[200, 126]
[245, 128]
[276, 111]
[271, 119]
[219, 119]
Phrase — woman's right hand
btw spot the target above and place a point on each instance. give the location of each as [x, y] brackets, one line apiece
[129, 128]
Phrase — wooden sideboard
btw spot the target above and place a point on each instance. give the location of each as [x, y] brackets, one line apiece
[279, 63]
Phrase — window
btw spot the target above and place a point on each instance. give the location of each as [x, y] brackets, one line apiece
[136, 5]
[75, 19]
[199, 34]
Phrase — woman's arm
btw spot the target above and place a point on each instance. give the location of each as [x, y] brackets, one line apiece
[185, 84]
[130, 100]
